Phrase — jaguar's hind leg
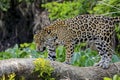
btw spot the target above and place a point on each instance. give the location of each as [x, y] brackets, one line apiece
[105, 53]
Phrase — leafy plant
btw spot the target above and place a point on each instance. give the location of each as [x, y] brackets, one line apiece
[11, 76]
[60, 54]
[115, 77]
[62, 10]
[68, 9]
[117, 29]
[107, 7]
[26, 50]
[85, 58]
[5, 4]
[43, 67]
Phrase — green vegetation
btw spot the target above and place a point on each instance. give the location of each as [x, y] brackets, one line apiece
[5, 4]
[66, 9]
[86, 57]
[115, 77]
[62, 10]
[11, 77]
[44, 69]
[23, 51]
[107, 7]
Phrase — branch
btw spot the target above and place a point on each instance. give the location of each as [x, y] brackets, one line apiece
[25, 67]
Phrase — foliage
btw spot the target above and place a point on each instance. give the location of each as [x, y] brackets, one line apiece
[115, 77]
[80, 57]
[28, 1]
[5, 4]
[26, 50]
[85, 58]
[117, 29]
[107, 7]
[43, 67]
[68, 9]
[62, 10]
[60, 54]
[11, 77]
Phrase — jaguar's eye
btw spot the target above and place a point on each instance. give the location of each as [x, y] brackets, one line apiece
[48, 32]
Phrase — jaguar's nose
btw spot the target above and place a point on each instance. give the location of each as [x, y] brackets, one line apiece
[44, 48]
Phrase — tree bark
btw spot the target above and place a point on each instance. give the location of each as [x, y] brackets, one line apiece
[24, 67]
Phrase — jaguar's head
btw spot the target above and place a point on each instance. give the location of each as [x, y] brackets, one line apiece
[44, 38]
[47, 36]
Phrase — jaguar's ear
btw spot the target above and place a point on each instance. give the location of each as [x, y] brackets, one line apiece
[36, 32]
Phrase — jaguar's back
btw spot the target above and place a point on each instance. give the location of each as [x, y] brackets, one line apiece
[90, 27]
[98, 29]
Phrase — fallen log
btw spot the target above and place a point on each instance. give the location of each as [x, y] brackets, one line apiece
[62, 71]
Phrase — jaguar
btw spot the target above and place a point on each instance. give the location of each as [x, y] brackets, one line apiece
[82, 28]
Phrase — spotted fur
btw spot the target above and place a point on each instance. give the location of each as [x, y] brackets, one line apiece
[83, 28]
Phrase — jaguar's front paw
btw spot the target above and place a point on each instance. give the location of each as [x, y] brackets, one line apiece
[51, 59]
[103, 64]
[67, 62]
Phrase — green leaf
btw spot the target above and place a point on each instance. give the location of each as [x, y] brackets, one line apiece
[116, 77]
[115, 58]
[106, 78]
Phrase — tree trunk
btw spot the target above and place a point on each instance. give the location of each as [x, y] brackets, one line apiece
[18, 22]
[24, 67]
